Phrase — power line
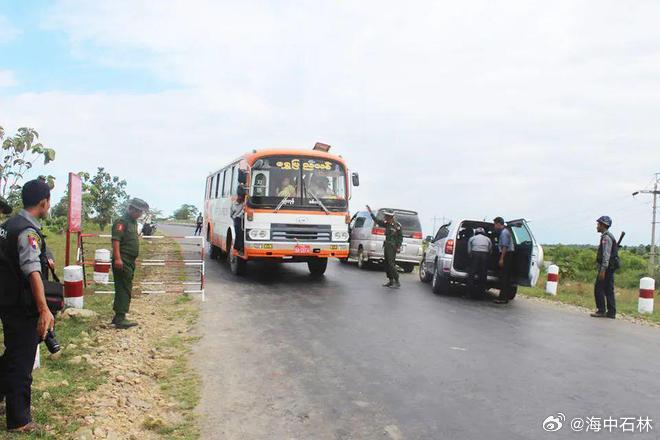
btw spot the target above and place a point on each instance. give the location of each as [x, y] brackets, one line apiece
[654, 221]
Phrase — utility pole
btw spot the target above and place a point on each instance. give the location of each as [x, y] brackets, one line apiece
[655, 193]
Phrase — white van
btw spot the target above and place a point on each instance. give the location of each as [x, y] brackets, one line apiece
[367, 238]
[446, 261]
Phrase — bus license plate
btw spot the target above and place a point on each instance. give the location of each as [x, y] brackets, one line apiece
[302, 249]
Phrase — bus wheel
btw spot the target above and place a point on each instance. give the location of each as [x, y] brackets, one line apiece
[317, 266]
[237, 265]
[215, 252]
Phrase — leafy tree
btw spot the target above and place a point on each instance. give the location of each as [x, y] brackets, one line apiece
[186, 212]
[20, 154]
[105, 195]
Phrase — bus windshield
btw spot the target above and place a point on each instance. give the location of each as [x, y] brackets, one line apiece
[298, 182]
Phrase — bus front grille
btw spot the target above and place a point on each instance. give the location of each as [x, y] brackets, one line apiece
[288, 232]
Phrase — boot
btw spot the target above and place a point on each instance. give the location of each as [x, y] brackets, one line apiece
[598, 314]
[123, 324]
[388, 284]
[396, 284]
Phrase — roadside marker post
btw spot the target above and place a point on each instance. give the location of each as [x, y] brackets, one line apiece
[646, 292]
[553, 280]
[73, 287]
[101, 266]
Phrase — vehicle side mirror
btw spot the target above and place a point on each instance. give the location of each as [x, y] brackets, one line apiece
[356, 179]
[242, 177]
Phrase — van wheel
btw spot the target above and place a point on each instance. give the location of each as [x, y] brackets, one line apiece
[439, 283]
[424, 275]
[407, 268]
[237, 265]
[362, 261]
[317, 266]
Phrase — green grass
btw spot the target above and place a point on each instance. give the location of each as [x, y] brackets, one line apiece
[79, 378]
[65, 382]
[582, 294]
[577, 273]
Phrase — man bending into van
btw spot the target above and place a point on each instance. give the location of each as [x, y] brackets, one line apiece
[479, 248]
[505, 263]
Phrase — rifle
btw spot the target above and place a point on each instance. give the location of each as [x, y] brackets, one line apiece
[623, 234]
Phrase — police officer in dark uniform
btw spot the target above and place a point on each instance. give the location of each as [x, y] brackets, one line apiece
[608, 262]
[125, 250]
[391, 246]
[23, 309]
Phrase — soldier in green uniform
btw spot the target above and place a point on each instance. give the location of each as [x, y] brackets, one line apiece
[392, 245]
[125, 250]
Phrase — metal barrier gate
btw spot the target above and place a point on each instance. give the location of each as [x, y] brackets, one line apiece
[166, 263]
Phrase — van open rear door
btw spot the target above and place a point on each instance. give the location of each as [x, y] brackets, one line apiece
[528, 253]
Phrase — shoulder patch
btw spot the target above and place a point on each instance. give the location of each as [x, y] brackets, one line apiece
[33, 240]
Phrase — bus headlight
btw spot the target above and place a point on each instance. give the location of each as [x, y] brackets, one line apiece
[259, 234]
[339, 236]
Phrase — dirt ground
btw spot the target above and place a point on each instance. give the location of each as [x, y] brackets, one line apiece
[134, 402]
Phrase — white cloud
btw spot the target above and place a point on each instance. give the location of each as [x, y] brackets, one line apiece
[534, 109]
[7, 78]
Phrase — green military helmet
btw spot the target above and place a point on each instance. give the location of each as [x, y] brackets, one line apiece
[138, 204]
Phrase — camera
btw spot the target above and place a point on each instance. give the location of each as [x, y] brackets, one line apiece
[51, 343]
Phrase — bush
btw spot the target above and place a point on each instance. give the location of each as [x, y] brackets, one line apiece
[578, 263]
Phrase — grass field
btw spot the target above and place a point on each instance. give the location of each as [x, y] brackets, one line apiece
[59, 383]
[577, 273]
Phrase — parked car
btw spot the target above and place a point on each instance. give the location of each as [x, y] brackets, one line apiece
[366, 239]
[445, 261]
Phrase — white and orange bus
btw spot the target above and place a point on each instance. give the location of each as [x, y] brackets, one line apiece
[296, 208]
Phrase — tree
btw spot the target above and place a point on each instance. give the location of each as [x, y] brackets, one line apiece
[186, 212]
[21, 153]
[106, 194]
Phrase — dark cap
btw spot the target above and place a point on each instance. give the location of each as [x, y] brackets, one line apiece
[498, 220]
[5, 208]
[34, 192]
[138, 204]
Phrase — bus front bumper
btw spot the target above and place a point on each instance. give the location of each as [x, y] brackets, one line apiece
[294, 251]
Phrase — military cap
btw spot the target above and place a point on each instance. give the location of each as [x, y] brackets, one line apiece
[388, 213]
[4, 207]
[138, 204]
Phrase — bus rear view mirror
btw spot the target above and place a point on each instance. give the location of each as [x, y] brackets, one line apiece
[356, 179]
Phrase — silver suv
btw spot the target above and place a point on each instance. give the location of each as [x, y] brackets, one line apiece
[445, 261]
[366, 239]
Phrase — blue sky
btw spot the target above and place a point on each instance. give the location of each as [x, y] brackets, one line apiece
[531, 109]
[43, 58]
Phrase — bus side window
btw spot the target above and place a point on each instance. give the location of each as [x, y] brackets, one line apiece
[226, 183]
[217, 177]
[234, 180]
[209, 185]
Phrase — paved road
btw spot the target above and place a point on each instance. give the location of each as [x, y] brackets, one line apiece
[286, 356]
